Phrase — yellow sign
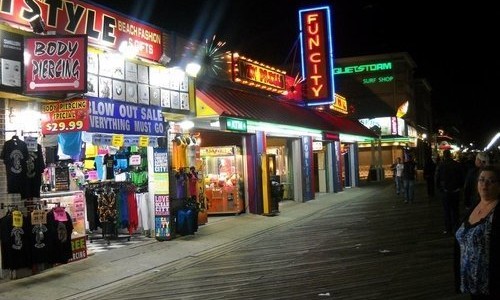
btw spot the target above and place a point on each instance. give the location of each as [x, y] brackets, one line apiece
[117, 140]
[340, 104]
[143, 141]
[17, 219]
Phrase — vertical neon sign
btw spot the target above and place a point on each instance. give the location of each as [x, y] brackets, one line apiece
[317, 55]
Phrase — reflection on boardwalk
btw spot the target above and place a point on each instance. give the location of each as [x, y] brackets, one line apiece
[372, 246]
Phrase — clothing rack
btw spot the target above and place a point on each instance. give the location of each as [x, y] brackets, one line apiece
[109, 229]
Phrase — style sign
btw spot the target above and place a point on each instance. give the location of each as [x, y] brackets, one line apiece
[104, 27]
[55, 64]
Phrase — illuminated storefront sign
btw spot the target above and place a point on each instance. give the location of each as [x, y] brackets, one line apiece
[232, 124]
[328, 136]
[307, 159]
[317, 55]
[340, 104]
[249, 72]
[55, 64]
[103, 27]
[363, 68]
[381, 79]
[387, 125]
[217, 151]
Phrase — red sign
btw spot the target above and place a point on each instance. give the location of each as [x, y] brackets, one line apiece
[65, 116]
[317, 55]
[55, 64]
[104, 28]
[256, 74]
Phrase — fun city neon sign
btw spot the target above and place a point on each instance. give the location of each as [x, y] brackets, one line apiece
[317, 55]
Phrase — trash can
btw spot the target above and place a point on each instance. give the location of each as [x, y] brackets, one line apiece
[277, 191]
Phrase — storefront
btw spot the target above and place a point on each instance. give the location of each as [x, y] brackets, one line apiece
[287, 135]
[91, 127]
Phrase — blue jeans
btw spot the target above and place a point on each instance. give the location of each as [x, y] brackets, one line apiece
[399, 184]
[409, 189]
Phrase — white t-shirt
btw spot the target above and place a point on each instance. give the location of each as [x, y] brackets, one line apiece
[399, 170]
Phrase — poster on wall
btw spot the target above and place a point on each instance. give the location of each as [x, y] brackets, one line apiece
[11, 58]
[163, 226]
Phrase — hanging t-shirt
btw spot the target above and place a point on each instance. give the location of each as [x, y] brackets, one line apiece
[109, 162]
[139, 178]
[35, 167]
[71, 144]
[15, 242]
[39, 240]
[15, 155]
[99, 166]
[59, 237]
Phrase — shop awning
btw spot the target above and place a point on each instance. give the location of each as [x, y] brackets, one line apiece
[230, 102]
[345, 125]
[235, 103]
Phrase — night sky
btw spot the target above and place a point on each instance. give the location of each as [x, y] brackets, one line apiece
[453, 45]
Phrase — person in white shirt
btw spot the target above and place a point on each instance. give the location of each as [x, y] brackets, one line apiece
[399, 175]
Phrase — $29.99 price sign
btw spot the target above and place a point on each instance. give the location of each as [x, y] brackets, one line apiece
[65, 116]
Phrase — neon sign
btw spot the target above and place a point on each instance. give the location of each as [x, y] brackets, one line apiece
[317, 55]
[363, 68]
[253, 73]
[380, 79]
[340, 104]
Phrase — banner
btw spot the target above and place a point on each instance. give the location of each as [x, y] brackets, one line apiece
[107, 116]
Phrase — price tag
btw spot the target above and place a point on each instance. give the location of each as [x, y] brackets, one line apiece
[38, 217]
[143, 141]
[106, 140]
[127, 141]
[117, 140]
[97, 139]
[31, 142]
[134, 140]
[153, 142]
[17, 219]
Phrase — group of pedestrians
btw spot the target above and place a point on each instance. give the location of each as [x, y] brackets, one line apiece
[405, 174]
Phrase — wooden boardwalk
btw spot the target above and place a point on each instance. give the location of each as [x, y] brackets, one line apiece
[371, 247]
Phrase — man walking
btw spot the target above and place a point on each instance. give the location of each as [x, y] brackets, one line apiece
[399, 175]
[409, 176]
[450, 180]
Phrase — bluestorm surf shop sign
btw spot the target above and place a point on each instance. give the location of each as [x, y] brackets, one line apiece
[117, 117]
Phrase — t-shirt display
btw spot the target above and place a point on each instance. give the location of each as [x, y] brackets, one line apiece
[15, 155]
[34, 170]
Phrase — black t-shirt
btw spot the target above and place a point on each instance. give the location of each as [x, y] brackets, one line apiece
[15, 155]
[109, 162]
[35, 167]
[15, 243]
